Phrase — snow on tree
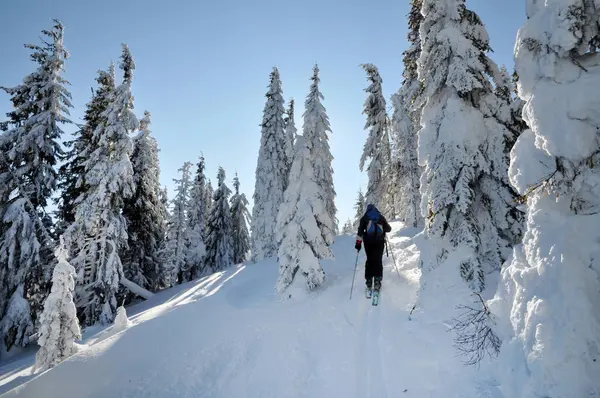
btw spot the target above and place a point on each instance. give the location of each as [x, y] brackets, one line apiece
[164, 275]
[99, 231]
[407, 105]
[290, 134]
[348, 228]
[361, 207]
[59, 327]
[196, 249]
[177, 234]
[143, 212]
[219, 242]
[30, 151]
[208, 202]
[240, 218]
[377, 145]
[300, 223]
[271, 173]
[71, 174]
[548, 300]
[316, 126]
[466, 200]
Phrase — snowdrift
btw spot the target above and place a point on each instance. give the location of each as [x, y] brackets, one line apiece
[228, 335]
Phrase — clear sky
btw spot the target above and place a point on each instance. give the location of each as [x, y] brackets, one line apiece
[203, 67]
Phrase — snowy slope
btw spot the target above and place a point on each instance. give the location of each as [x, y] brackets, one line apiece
[228, 336]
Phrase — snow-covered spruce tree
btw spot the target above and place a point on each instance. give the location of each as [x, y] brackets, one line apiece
[548, 300]
[240, 217]
[99, 231]
[290, 134]
[164, 275]
[219, 241]
[348, 228]
[143, 213]
[30, 151]
[208, 202]
[300, 223]
[466, 200]
[178, 231]
[271, 173]
[377, 145]
[361, 207]
[71, 174]
[407, 105]
[59, 327]
[196, 249]
[316, 126]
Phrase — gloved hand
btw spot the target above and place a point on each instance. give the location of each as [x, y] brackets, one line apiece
[358, 245]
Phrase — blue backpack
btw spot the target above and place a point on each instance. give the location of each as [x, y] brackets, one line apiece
[374, 227]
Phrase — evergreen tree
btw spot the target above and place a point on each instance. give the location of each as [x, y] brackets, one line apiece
[407, 104]
[219, 242]
[30, 151]
[99, 231]
[466, 196]
[361, 207]
[196, 248]
[290, 134]
[59, 325]
[377, 146]
[178, 231]
[208, 202]
[71, 174]
[164, 276]
[240, 217]
[348, 228]
[549, 295]
[316, 126]
[302, 217]
[271, 173]
[143, 213]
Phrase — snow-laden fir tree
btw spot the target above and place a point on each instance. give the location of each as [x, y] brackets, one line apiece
[271, 173]
[178, 231]
[407, 105]
[300, 223]
[348, 228]
[548, 302]
[377, 146]
[164, 271]
[196, 248]
[240, 218]
[143, 212]
[72, 173]
[290, 135]
[466, 200]
[219, 238]
[360, 206]
[99, 231]
[59, 327]
[30, 152]
[315, 129]
[208, 202]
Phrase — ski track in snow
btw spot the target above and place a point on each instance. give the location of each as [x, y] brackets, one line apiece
[228, 335]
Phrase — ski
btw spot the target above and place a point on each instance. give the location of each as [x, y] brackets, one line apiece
[375, 301]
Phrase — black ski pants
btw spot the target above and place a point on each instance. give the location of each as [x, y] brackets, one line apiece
[374, 264]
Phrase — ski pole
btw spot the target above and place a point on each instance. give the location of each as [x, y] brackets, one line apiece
[354, 275]
[393, 259]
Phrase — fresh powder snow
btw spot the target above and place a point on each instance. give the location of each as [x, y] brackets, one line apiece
[228, 335]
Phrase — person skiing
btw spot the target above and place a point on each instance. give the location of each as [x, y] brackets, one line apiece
[372, 229]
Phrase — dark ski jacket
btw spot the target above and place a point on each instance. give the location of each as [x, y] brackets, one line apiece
[364, 222]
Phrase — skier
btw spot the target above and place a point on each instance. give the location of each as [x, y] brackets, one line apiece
[372, 229]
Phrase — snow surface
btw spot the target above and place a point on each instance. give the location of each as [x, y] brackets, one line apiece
[227, 335]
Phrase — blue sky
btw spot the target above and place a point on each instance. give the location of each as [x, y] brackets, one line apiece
[203, 67]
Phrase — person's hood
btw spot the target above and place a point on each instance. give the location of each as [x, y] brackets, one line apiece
[371, 207]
